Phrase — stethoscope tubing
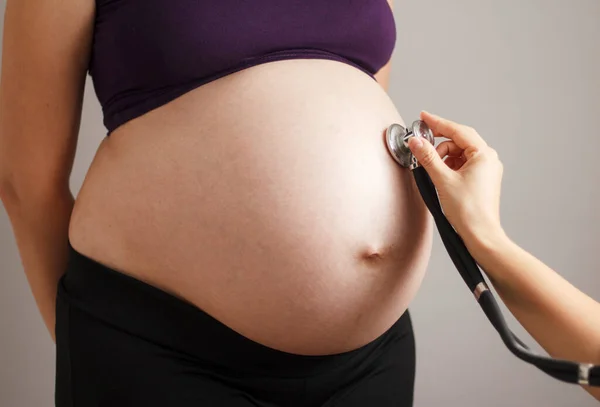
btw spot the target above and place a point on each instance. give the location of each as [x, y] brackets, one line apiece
[563, 370]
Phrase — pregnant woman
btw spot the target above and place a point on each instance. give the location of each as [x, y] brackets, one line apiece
[242, 237]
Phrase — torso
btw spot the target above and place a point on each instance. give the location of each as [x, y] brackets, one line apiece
[261, 192]
[266, 198]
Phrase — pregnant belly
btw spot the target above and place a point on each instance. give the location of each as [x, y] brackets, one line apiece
[266, 198]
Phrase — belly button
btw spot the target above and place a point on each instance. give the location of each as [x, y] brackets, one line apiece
[374, 257]
[372, 254]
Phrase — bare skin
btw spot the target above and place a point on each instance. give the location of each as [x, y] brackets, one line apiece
[46, 48]
[280, 213]
[467, 174]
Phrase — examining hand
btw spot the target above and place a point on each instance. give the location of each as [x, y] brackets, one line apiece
[467, 175]
[468, 180]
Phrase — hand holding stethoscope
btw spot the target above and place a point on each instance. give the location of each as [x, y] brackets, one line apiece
[468, 181]
[463, 179]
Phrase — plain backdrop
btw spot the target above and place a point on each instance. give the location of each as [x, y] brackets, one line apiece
[526, 74]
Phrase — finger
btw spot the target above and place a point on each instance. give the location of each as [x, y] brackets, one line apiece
[429, 158]
[451, 163]
[449, 148]
[455, 163]
[462, 135]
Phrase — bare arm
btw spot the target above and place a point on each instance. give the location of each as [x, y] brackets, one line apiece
[45, 56]
[562, 319]
[383, 75]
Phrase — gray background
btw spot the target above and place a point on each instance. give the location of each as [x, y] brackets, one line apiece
[526, 74]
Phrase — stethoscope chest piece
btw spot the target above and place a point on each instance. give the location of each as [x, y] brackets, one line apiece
[397, 136]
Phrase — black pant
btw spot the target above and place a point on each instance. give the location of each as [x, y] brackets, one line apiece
[121, 342]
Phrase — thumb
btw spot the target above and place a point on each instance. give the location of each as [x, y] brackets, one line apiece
[429, 159]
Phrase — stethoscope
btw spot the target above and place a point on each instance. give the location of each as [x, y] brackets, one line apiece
[396, 138]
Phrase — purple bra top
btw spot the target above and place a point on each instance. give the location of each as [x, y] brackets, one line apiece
[148, 52]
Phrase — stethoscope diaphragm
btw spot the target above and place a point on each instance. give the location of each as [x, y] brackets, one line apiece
[397, 136]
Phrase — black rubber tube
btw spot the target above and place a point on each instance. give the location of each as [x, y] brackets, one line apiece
[455, 247]
[564, 370]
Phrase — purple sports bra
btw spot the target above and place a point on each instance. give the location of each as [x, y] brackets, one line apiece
[148, 52]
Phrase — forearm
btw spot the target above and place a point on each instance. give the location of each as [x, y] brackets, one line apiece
[562, 319]
[40, 225]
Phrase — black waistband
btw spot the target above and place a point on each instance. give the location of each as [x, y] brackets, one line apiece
[148, 312]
